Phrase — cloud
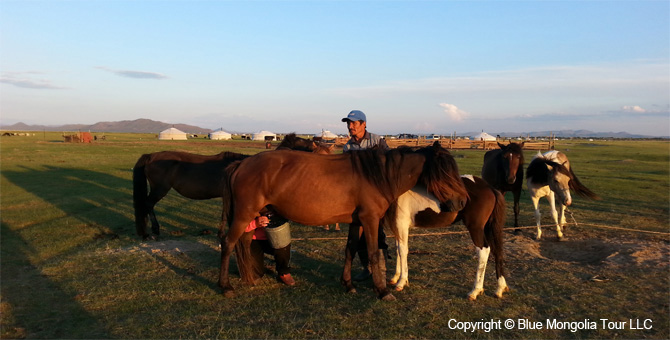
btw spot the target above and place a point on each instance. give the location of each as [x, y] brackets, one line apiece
[134, 74]
[633, 108]
[453, 112]
[25, 80]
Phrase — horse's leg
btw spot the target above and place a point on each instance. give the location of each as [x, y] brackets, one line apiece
[561, 220]
[536, 205]
[349, 251]
[237, 227]
[554, 214]
[517, 197]
[371, 231]
[156, 194]
[398, 268]
[482, 259]
[403, 221]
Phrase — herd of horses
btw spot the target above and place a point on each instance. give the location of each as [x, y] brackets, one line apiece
[405, 187]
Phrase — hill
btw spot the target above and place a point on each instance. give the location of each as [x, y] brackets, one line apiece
[132, 126]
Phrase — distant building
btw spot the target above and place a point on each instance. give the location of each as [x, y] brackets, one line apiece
[220, 135]
[172, 134]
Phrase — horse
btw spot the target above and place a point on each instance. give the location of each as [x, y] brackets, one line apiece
[483, 215]
[193, 176]
[503, 169]
[550, 175]
[355, 187]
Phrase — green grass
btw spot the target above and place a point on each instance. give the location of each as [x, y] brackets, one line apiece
[72, 266]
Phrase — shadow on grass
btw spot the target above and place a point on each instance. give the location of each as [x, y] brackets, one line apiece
[47, 310]
[95, 198]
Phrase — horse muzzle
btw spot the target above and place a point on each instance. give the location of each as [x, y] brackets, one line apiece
[511, 180]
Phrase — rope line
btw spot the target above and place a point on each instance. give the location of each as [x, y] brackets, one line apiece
[509, 228]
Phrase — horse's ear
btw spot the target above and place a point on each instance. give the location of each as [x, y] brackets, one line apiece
[522, 143]
[502, 146]
[437, 144]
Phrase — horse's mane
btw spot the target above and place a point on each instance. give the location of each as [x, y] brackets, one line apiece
[368, 162]
[538, 170]
[440, 173]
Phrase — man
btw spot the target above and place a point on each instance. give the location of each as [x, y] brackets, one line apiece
[362, 139]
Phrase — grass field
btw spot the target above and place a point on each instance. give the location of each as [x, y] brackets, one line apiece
[72, 266]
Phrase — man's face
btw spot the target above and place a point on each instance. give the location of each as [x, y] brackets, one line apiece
[356, 128]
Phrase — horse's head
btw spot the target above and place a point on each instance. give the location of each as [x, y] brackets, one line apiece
[512, 155]
[293, 142]
[440, 175]
[560, 182]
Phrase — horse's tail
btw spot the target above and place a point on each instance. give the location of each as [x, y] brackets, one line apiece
[579, 188]
[227, 196]
[140, 193]
[249, 271]
[493, 231]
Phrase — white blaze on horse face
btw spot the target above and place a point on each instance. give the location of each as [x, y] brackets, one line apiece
[512, 162]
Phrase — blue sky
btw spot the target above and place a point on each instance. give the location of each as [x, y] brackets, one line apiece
[284, 66]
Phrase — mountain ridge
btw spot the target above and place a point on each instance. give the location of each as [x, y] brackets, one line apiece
[141, 125]
[144, 125]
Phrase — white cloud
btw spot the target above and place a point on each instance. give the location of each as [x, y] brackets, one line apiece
[633, 108]
[26, 80]
[453, 112]
[134, 74]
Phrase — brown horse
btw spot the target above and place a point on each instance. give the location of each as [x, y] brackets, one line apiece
[193, 176]
[503, 169]
[355, 187]
[483, 215]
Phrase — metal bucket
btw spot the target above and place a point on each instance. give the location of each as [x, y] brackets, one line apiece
[279, 237]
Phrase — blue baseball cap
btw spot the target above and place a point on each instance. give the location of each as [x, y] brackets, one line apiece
[354, 115]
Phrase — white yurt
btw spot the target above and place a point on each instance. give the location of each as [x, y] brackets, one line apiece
[484, 136]
[325, 134]
[260, 135]
[172, 134]
[220, 135]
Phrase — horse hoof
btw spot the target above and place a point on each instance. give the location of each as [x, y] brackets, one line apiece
[474, 294]
[388, 297]
[499, 294]
[352, 291]
[399, 289]
[228, 293]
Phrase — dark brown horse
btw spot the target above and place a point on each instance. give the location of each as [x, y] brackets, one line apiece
[355, 187]
[193, 176]
[503, 169]
[483, 215]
